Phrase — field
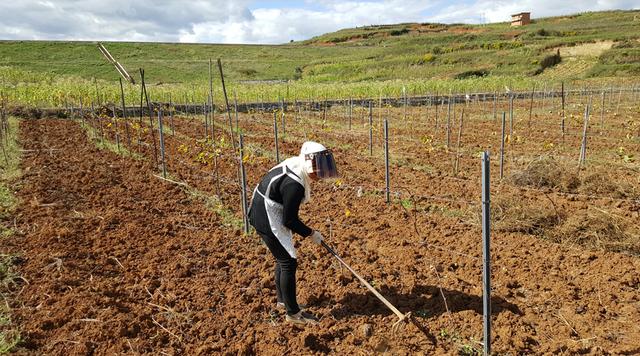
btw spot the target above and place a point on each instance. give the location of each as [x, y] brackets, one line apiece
[115, 259]
[118, 237]
[363, 62]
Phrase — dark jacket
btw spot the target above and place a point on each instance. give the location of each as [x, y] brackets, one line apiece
[284, 190]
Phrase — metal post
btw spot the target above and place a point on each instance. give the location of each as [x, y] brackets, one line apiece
[511, 117]
[386, 160]
[562, 123]
[457, 161]
[486, 252]
[115, 123]
[173, 127]
[404, 96]
[275, 133]
[437, 111]
[205, 111]
[243, 187]
[124, 114]
[448, 122]
[370, 129]
[533, 91]
[350, 111]
[504, 116]
[164, 163]
[235, 108]
[81, 112]
[602, 113]
[583, 147]
[495, 101]
[284, 126]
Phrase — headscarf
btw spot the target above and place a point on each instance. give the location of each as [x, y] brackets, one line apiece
[297, 165]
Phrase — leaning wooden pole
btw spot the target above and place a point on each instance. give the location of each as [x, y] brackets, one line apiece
[226, 101]
[153, 133]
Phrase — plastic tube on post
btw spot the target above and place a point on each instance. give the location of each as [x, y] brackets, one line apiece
[386, 160]
[486, 253]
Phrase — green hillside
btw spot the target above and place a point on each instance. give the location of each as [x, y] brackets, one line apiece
[592, 46]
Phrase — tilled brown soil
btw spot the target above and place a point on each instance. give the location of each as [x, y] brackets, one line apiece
[118, 261]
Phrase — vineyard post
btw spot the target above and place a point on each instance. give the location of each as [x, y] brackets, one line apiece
[275, 134]
[544, 96]
[504, 116]
[282, 115]
[404, 96]
[511, 116]
[602, 114]
[164, 164]
[124, 114]
[324, 112]
[495, 103]
[386, 160]
[533, 91]
[442, 103]
[448, 122]
[97, 91]
[115, 121]
[350, 111]
[211, 88]
[153, 133]
[457, 161]
[226, 100]
[171, 109]
[370, 128]
[486, 252]
[583, 146]
[562, 115]
[205, 112]
[619, 97]
[243, 187]
[235, 109]
[81, 112]
[92, 122]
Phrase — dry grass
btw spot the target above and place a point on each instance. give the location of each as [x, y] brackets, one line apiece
[604, 183]
[599, 229]
[513, 214]
[546, 172]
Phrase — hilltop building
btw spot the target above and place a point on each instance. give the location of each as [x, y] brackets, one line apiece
[521, 19]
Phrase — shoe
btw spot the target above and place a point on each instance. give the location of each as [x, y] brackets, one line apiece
[280, 305]
[302, 318]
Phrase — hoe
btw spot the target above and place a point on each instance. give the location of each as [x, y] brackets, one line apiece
[402, 317]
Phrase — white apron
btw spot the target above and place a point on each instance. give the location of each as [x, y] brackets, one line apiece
[275, 213]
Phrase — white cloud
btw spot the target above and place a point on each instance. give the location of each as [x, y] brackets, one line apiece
[246, 21]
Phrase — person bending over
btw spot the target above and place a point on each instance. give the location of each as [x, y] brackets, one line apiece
[274, 214]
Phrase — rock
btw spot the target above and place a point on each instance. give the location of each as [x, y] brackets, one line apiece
[367, 330]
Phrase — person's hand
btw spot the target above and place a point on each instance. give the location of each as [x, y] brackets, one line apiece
[316, 237]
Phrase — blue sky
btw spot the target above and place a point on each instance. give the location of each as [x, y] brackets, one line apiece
[247, 21]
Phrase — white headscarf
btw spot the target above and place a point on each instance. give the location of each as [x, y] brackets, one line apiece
[298, 167]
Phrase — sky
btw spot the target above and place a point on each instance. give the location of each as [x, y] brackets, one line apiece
[253, 22]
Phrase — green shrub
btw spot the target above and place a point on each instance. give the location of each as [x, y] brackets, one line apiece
[472, 74]
[399, 32]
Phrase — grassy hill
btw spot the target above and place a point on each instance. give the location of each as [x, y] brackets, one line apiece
[592, 45]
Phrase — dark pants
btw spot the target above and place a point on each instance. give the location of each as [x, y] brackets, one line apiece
[285, 273]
